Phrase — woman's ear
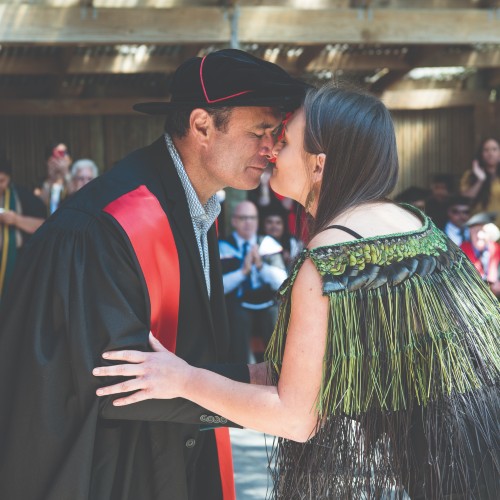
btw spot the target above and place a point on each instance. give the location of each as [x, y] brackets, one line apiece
[319, 166]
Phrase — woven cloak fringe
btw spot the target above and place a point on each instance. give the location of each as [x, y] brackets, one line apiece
[409, 398]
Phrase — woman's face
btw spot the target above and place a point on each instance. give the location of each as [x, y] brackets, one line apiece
[290, 176]
[491, 155]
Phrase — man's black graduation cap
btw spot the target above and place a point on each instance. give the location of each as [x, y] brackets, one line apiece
[229, 77]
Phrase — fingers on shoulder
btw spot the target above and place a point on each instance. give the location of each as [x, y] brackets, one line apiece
[130, 356]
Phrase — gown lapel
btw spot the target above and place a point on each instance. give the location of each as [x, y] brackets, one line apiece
[179, 216]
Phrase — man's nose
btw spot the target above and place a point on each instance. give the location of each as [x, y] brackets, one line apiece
[267, 146]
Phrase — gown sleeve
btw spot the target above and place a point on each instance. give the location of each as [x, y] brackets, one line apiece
[80, 294]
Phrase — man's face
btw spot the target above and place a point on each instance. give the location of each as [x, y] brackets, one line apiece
[245, 220]
[439, 191]
[82, 177]
[478, 237]
[4, 182]
[238, 156]
[274, 226]
[458, 214]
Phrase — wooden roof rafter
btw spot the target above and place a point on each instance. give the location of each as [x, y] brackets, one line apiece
[48, 25]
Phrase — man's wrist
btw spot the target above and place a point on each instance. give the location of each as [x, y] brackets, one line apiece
[259, 373]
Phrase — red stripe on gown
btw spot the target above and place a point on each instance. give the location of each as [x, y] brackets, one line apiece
[144, 221]
[225, 463]
[224, 451]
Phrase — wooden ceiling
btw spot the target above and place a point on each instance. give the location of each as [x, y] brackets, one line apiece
[92, 56]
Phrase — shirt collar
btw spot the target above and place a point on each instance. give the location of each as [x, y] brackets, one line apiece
[240, 241]
[203, 215]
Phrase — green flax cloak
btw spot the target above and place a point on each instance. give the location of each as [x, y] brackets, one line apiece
[409, 398]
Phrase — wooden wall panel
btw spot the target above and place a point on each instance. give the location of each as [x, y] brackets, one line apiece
[433, 141]
[123, 134]
[103, 139]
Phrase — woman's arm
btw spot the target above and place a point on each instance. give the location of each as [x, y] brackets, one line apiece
[287, 410]
[471, 185]
[23, 222]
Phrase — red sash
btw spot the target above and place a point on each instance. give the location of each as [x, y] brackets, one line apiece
[141, 216]
[492, 272]
[144, 221]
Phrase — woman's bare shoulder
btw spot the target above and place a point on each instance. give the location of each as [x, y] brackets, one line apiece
[369, 221]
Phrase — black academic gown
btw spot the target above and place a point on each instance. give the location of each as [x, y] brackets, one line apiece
[79, 291]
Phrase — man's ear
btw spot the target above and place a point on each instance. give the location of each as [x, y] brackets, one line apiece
[200, 124]
[319, 166]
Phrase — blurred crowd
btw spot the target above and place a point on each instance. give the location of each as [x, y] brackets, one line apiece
[264, 233]
[22, 212]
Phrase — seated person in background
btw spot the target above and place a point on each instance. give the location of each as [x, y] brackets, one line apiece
[21, 214]
[458, 213]
[82, 172]
[413, 195]
[55, 187]
[274, 223]
[436, 204]
[482, 182]
[483, 248]
[253, 270]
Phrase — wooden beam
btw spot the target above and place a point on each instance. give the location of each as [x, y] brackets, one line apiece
[352, 61]
[45, 25]
[386, 80]
[314, 58]
[122, 64]
[22, 65]
[401, 100]
[432, 99]
[90, 64]
[384, 26]
[493, 78]
[73, 107]
[448, 56]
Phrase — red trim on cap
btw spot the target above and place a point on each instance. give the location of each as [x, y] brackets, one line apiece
[144, 221]
[211, 101]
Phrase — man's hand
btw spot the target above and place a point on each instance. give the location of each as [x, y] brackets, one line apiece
[256, 259]
[247, 264]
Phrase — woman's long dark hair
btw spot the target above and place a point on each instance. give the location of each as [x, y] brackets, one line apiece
[355, 131]
[483, 196]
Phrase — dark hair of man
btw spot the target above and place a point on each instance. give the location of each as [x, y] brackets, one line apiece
[446, 179]
[355, 132]
[412, 194]
[483, 197]
[456, 200]
[177, 121]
